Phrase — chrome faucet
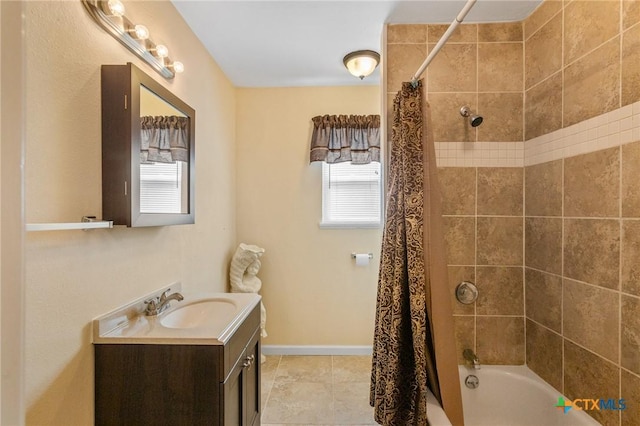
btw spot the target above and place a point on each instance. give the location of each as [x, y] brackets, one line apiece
[472, 358]
[157, 305]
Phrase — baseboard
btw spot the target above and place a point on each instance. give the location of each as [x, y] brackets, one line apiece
[315, 350]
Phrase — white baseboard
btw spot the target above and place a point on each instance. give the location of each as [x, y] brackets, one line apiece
[316, 350]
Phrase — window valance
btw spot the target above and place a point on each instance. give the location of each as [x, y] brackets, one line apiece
[340, 138]
[164, 139]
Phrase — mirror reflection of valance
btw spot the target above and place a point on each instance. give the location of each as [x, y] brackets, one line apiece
[340, 138]
[164, 139]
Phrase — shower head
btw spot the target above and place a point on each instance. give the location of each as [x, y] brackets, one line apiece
[474, 119]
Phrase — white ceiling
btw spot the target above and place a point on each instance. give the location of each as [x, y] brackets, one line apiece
[268, 43]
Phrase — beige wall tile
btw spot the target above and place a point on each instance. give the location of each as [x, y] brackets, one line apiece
[464, 33]
[630, 323]
[540, 16]
[543, 244]
[630, 278]
[544, 354]
[500, 67]
[460, 240]
[630, 13]
[592, 251]
[630, 61]
[592, 84]
[402, 62]
[543, 107]
[448, 124]
[458, 186]
[457, 274]
[406, 33]
[500, 340]
[630, 183]
[543, 189]
[500, 290]
[586, 374]
[507, 31]
[500, 241]
[544, 299]
[588, 24]
[592, 184]
[543, 52]
[591, 318]
[630, 391]
[502, 114]
[500, 191]
[465, 331]
[454, 69]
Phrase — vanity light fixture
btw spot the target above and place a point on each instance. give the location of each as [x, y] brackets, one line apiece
[109, 14]
[361, 63]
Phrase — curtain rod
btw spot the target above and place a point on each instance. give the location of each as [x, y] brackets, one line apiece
[467, 7]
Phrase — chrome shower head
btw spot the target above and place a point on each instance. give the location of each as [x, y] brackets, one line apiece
[474, 119]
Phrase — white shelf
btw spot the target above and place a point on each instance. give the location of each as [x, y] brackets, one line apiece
[103, 224]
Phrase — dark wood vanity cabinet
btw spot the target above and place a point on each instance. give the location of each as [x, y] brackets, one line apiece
[176, 384]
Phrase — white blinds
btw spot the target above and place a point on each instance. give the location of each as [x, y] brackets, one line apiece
[161, 187]
[351, 194]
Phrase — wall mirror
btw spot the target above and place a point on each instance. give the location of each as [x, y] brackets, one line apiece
[148, 151]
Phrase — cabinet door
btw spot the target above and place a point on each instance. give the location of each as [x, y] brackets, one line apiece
[233, 390]
[252, 382]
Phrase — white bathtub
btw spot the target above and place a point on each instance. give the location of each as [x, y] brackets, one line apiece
[508, 396]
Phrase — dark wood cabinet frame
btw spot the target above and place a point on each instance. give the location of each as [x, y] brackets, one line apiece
[121, 148]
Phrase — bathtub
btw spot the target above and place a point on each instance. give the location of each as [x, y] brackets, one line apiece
[508, 396]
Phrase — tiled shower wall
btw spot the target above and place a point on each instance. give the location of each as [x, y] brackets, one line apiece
[480, 66]
[579, 74]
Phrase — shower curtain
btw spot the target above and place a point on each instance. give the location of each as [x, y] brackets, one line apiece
[414, 346]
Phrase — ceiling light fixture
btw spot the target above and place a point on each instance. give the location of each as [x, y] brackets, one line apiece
[361, 63]
[109, 14]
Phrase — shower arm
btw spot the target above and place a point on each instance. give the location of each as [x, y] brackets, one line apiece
[443, 40]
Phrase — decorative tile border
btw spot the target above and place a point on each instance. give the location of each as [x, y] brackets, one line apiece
[614, 128]
[480, 154]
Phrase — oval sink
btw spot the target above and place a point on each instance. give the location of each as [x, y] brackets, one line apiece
[216, 312]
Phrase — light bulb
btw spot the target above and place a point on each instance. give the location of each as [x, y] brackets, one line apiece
[141, 32]
[162, 51]
[115, 7]
[178, 67]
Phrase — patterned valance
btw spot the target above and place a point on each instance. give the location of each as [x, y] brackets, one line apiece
[164, 139]
[340, 138]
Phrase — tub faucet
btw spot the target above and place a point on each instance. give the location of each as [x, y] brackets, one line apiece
[157, 305]
[472, 358]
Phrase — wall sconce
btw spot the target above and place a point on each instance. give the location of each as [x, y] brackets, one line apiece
[109, 14]
[361, 63]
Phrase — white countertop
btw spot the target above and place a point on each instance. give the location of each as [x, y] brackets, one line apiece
[129, 325]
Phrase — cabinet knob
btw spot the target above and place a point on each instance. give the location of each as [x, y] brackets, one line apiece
[248, 361]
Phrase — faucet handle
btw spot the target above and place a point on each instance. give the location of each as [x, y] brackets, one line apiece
[152, 305]
[164, 294]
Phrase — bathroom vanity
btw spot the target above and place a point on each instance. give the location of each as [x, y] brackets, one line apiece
[196, 363]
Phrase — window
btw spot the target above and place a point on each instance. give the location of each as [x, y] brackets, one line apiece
[161, 187]
[351, 195]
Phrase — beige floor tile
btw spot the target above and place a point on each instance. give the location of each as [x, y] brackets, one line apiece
[310, 369]
[351, 369]
[299, 403]
[351, 404]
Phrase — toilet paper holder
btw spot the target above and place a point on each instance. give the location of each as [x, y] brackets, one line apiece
[353, 255]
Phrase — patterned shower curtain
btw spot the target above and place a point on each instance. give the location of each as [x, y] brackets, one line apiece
[414, 346]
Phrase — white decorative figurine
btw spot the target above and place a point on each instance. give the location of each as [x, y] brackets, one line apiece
[245, 265]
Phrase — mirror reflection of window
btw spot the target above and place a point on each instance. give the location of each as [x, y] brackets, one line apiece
[164, 184]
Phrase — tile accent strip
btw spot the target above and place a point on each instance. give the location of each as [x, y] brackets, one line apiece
[611, 129]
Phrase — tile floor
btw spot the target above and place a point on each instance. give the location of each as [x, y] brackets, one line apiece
[316, 390]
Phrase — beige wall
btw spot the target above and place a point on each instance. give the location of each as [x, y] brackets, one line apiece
[313, 292]
[74, 276]
[12, 216]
